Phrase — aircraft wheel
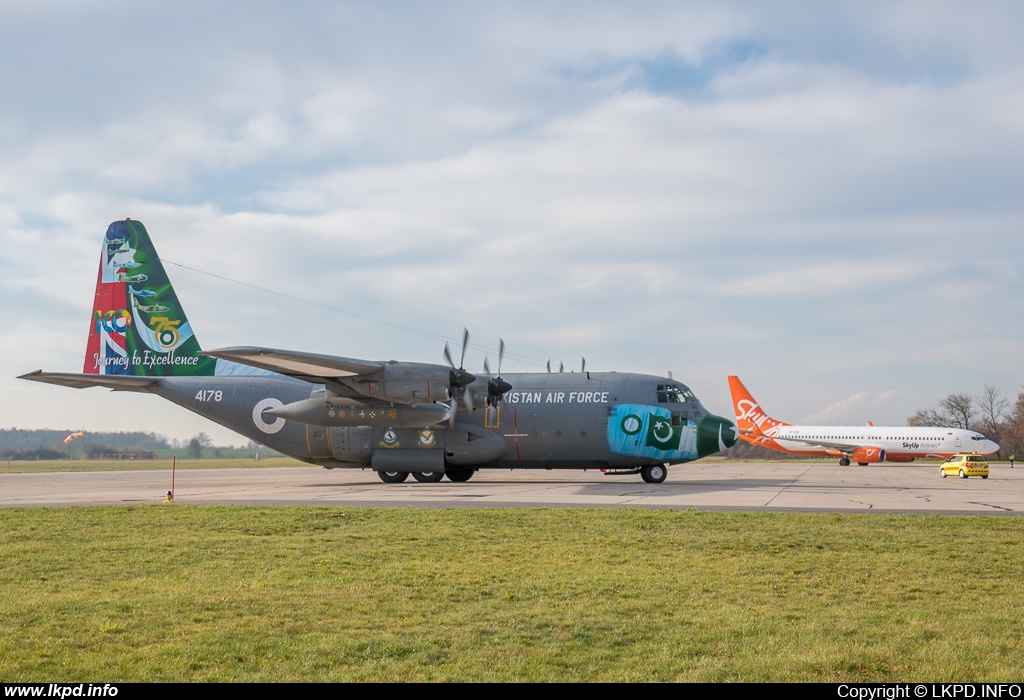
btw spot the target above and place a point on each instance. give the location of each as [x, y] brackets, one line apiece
[844, 462]
[428, 477]
[962, 475]
[984, 476]
[942, 472]
[393, 477]
[458, 473]
[863, 464]
[654, 474]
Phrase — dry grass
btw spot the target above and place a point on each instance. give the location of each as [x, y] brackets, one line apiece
[327, 594]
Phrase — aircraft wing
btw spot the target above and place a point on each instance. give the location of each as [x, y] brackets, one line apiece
[117, 382]
[301, 365]
[837, 446]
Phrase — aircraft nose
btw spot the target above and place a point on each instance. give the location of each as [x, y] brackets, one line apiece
[714, 434]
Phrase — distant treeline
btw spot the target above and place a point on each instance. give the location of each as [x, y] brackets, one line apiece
[987, 412]
[91, 452]
[19, 445]
[16, 439]
[744, 450]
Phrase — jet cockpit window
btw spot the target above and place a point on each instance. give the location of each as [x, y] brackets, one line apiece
[668, 393]
[978, 437]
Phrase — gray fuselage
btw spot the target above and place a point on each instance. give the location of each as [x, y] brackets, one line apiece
[547, 421]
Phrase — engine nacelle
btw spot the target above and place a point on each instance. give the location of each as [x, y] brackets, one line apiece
[404, 382]
[868, 455]
[900, 458]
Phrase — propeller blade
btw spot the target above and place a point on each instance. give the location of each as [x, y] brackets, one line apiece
[584, 367]
[549, 366]
[452, 407]
[465, 342]
[467, 394]
[496, 386]
[561, 367]
[448, 356]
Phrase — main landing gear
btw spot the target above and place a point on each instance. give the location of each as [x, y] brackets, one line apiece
[458, 473]
[844, 461]
[453, 474]
[654, 473]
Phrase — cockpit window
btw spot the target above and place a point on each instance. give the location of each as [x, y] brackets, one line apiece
[669, 393]
[978, 437]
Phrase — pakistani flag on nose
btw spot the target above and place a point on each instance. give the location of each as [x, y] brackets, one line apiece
[661, 434]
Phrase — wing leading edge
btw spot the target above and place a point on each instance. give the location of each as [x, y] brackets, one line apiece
[301, 365]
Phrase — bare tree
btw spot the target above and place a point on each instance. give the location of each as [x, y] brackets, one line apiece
[928, 418]
[1013, 434]
[960, 408]
[994, 412]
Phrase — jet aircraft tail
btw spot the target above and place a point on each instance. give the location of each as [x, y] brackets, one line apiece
[138, 327]
[754, 424]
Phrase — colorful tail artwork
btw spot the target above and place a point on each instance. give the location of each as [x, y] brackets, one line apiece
[756, 427]
[138, 326]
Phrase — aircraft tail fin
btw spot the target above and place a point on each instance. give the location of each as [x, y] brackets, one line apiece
[138, 326]
[750, 418]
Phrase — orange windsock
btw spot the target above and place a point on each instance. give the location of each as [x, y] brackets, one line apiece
[74, 436]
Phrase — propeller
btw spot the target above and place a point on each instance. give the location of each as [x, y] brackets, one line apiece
[496, 386]
[459, 378]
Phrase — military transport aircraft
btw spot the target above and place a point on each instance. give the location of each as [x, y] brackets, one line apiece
[397, 418]
[864, 444]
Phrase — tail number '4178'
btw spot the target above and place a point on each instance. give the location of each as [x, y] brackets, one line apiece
[209, 395]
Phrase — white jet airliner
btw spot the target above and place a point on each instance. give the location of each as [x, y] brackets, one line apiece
[864, 444]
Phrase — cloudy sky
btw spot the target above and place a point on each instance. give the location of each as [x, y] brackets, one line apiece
[824, 199]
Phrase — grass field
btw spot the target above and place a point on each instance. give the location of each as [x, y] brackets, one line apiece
[323, 594]
[119, 465]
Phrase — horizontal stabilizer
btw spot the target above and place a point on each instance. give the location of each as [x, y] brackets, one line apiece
[302, 365]
[117, 382]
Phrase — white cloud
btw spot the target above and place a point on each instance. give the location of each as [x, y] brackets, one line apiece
[856, 409]
[713, 190]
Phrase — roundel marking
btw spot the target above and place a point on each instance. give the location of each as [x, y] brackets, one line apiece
[261, 423]
[631, 424]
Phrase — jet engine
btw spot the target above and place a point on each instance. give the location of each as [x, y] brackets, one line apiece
[868, 455]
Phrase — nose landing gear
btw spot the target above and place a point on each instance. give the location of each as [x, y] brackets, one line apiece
[654, 473]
